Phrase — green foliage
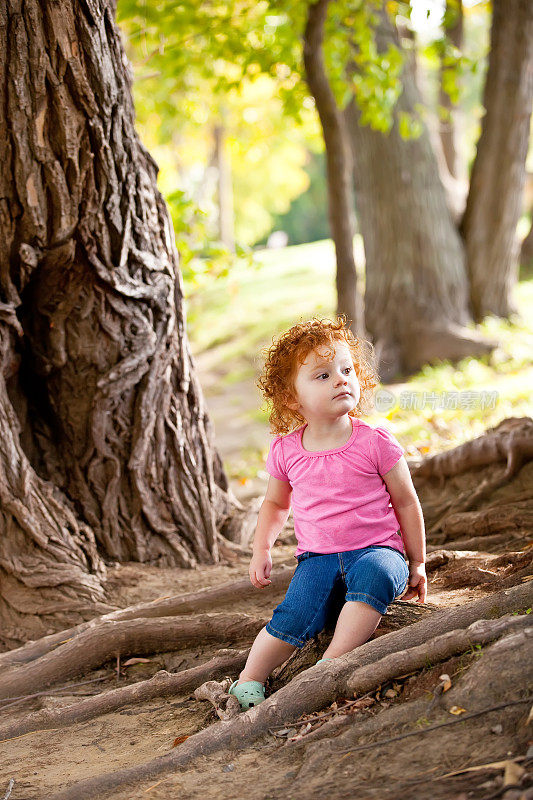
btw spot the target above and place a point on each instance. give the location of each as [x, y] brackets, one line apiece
[410, 126]
[201, 257]
[201, 66]
[197, 64]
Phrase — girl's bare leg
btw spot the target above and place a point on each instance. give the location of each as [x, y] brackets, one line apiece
[266, 654]
[355, 625]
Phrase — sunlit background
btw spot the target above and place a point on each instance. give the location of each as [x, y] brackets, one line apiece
[270, 261]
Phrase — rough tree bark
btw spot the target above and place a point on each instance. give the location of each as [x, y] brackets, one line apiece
[49, 564]
[114, 433]
[494, 200]
[416, 296]
[338, 162]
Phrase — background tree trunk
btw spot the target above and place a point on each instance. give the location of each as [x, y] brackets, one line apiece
[416, 293]
[448, 127]
[114, 433]
[526, 253]
[338, 161]
[494, 200]
[224, 188]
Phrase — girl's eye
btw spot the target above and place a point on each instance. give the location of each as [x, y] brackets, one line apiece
[348, 368]
[321, 376]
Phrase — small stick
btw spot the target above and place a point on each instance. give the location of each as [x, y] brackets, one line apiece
[9, 789]
[118, 667]
[153, 786]
[326, 713]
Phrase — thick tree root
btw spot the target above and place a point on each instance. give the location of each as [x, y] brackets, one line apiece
[163, 684]
[139, 636]
[310, 691]
[496, 519]
[434, 650]
[111, 637]
[483, 502]
[204, 600]
[510, 441]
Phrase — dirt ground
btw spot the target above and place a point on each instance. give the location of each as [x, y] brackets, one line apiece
[43, 762]
[350, 755]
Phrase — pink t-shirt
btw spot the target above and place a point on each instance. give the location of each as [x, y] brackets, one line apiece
[339, 499]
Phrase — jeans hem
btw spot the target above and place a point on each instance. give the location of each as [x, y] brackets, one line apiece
[361, 597]
[285, 637]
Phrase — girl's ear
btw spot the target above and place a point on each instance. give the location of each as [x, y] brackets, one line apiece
[292, 404]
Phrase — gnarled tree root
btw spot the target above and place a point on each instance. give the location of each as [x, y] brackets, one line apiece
[511, 441]
[96, 645]
[203, 600]
[216, 692]
[309, 691]
[434, 650]
[140, 636]
[163, 684]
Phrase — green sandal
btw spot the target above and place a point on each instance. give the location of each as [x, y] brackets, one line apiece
[323, 659]
[249, 693]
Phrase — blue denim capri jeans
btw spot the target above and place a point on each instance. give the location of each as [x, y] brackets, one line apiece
[322, 582]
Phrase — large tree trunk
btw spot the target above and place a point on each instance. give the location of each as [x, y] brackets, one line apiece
[338, 160]
[114, 433]
[494, 201]
[416, 292]
[50, 571]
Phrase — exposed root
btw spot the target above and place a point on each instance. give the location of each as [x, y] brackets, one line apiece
[204, 600]
[163, 684]
[139, 636]
[312, 690]
[226, 705]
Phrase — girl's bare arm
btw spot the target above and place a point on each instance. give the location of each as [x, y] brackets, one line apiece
[408, 511]
[270, 521]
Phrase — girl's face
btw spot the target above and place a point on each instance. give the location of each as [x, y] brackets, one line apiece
[326, 389]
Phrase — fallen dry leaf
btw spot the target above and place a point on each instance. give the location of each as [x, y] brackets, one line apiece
[481, 767]
[364, 702]
[457, 710]
[131, 661]
[179, 740]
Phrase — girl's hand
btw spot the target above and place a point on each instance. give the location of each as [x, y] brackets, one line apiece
[417, 582]
[260, 569]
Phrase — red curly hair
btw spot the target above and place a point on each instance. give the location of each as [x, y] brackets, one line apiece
[283, 357]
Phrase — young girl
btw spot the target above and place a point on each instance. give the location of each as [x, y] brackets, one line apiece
[341, 477]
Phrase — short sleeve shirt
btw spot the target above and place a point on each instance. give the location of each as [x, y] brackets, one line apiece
[339, 498]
